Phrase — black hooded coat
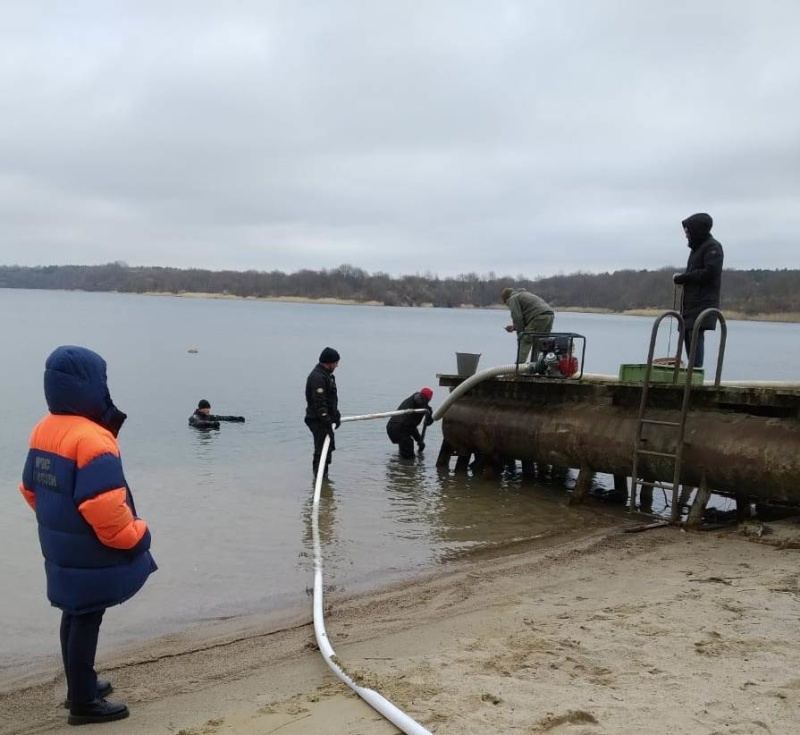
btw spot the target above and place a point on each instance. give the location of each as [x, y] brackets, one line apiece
[702, 278]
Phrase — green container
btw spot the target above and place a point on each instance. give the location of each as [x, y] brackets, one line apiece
[659, 374]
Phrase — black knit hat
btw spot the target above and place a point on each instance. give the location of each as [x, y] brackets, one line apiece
[203, 403]
[328, 355]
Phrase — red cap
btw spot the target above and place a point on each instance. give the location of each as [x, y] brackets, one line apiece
[427, 392]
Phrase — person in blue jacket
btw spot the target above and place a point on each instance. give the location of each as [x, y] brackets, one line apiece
[96, 548]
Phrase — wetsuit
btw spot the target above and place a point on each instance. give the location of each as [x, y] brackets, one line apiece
[209, 420]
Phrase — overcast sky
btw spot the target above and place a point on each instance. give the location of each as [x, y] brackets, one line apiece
[531, 137]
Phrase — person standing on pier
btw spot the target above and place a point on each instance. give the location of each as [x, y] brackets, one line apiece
[322, 405]
[701, 281]
[403, 430]
[530, 315]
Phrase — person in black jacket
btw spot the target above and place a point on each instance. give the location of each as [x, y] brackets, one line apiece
[403, 431]
[701, 280]
[202, 418]
[322, 405]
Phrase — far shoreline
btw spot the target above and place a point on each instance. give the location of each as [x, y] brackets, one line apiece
[789, 317]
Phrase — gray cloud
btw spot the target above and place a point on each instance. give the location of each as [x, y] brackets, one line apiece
[516, 137]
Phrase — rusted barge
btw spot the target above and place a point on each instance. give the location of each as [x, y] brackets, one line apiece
[739, 439]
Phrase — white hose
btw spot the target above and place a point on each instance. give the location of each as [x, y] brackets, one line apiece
[384, 415]
[396, 716]
[788, 384]
[524, 368]
[791, 385]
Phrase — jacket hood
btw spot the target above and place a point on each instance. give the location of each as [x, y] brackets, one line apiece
[75, 383]
[699, 228]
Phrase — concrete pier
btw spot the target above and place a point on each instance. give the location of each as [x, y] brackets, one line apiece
[741, 439]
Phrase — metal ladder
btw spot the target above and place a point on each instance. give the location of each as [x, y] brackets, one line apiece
[679, 426]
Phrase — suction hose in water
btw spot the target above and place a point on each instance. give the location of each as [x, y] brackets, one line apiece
[396, 716]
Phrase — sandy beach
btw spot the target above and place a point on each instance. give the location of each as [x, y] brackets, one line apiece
[618, 633]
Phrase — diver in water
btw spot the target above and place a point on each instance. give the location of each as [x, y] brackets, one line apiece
[202, 418]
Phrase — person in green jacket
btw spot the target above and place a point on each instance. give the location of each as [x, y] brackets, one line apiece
[530, 315]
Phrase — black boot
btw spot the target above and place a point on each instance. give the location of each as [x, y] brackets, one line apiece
[97, 711]
[104, 688]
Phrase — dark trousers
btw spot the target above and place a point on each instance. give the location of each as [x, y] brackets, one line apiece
[401, 435]
[699, 355]
[319, 430]
[78, 648]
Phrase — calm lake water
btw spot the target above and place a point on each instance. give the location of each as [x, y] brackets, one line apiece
[229, 510]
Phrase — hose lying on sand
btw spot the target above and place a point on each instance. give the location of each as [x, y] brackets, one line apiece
[382, 705]
[396, 716]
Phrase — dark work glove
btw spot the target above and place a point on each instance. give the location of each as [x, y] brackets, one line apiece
[421, 446]
[428, 420]
[337, 423]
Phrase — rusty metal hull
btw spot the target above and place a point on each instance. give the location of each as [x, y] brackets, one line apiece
[742, 442]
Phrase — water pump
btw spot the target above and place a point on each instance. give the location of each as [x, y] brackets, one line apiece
[556, 358]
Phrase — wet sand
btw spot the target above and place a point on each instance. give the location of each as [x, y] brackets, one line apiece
[612, 634]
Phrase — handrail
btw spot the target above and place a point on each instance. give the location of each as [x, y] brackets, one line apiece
[703, 316]
[637, 441]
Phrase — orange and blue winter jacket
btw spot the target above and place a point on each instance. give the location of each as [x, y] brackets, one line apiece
[96, 550]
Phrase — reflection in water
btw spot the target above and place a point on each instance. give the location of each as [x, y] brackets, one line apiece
[202, 444]
[465, 512]
[327, 516]
[407, 487]
[204, 437]
[328, 539]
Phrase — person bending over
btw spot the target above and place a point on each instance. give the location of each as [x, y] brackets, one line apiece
[530, 315]
[403, 430]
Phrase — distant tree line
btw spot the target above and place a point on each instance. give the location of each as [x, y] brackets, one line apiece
[750, 292]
